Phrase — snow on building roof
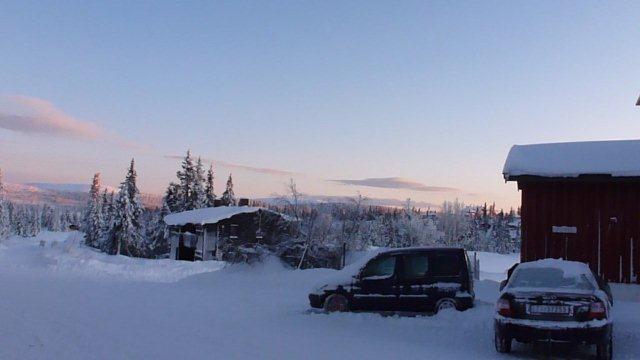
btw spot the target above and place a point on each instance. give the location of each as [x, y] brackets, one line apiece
[209, 215]
[616, 158]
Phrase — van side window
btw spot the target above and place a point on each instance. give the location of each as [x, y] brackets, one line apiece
[416, 266]
[446, 265]
[382, 267]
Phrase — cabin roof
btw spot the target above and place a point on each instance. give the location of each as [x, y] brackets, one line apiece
[619, 158]
[210, 215]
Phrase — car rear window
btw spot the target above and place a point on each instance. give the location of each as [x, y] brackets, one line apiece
[416, 266]
[446, 265]
[547, 277]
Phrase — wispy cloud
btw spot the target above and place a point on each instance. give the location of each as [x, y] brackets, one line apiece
[30, 115]
[394, 183]
[260, 170]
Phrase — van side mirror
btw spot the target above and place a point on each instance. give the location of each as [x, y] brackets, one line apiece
[503, 283]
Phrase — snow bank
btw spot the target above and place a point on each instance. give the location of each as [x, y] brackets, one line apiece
[62, 254]
[615, 158]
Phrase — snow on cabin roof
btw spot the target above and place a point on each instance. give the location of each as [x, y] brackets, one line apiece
[616, 158]
[209, 215]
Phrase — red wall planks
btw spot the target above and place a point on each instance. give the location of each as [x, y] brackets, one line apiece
[603, 212]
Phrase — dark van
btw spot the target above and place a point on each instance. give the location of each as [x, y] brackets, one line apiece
[409, 279]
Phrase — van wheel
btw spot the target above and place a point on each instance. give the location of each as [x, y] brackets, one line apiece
[604, 351]
[444, 304]
[336, 303]
[503, 344]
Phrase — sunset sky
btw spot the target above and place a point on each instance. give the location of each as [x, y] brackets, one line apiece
[391, 99]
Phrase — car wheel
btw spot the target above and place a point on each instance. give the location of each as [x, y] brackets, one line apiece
[503, 344]
[444, 304]
[604, 351]
[336, 303]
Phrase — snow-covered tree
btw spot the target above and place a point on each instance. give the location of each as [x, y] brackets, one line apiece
[157, 233]
[5, 227]
[92, 224]
[172, 198]
[209, 193]
[123, 236]
[199, 195]
[134, 194]
[229, 197]
[189, 194]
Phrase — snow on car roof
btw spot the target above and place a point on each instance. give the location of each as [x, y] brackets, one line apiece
[210, 215]
[572, 159]
[570, 268]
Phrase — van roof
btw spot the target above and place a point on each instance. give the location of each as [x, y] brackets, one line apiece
[419, 249]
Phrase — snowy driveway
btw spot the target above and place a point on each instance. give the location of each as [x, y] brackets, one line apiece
[235, 313]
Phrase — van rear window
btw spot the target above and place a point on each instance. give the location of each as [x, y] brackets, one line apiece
[446, 265]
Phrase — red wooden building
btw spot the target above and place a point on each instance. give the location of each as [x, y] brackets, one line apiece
[581, 201]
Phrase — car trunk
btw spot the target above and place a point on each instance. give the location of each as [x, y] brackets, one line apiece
[551, 306]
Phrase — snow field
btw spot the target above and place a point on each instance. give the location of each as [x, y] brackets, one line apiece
[85, 305]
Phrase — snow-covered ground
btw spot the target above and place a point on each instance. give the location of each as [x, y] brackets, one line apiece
[69, 302]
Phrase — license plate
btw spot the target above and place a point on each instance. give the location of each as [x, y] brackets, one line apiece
[549, 309]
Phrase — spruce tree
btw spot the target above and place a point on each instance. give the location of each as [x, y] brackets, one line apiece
[92, 224]
[229, 197]
[210, 194]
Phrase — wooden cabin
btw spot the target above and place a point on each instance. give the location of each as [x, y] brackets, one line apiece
[580, 201]
[224, 233]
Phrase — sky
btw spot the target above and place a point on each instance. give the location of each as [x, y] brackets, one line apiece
[419, 100]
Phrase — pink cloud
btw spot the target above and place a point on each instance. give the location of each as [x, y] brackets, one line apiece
[260, 170]
[395, 183]
[30, 115]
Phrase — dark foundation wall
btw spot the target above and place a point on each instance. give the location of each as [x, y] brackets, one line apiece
[603, 212]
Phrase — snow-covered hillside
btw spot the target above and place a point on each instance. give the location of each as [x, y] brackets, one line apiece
[64, 301]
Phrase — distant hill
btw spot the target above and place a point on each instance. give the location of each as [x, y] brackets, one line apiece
[318, 199]
[62, 194]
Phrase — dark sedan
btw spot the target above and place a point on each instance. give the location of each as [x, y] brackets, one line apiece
[554, 300]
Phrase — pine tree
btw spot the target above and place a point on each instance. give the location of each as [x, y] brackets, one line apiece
[199, 195]
[92, 224]
[157, 235]
[123, 236]
[124, 232]
[134, 194]
[229, 197]
[210, 194]
[172, 198]
[186, 176]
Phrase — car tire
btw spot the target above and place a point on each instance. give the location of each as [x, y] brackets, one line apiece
[502, 343]
[604, 351]
[444, 304]
[336, 303]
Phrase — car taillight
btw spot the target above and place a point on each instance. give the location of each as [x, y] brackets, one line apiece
[597, 311]
[503, 307]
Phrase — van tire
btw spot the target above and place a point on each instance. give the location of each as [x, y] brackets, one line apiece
[336, 303]
[446, 303]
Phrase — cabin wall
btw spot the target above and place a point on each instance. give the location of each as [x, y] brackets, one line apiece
[607, 218]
